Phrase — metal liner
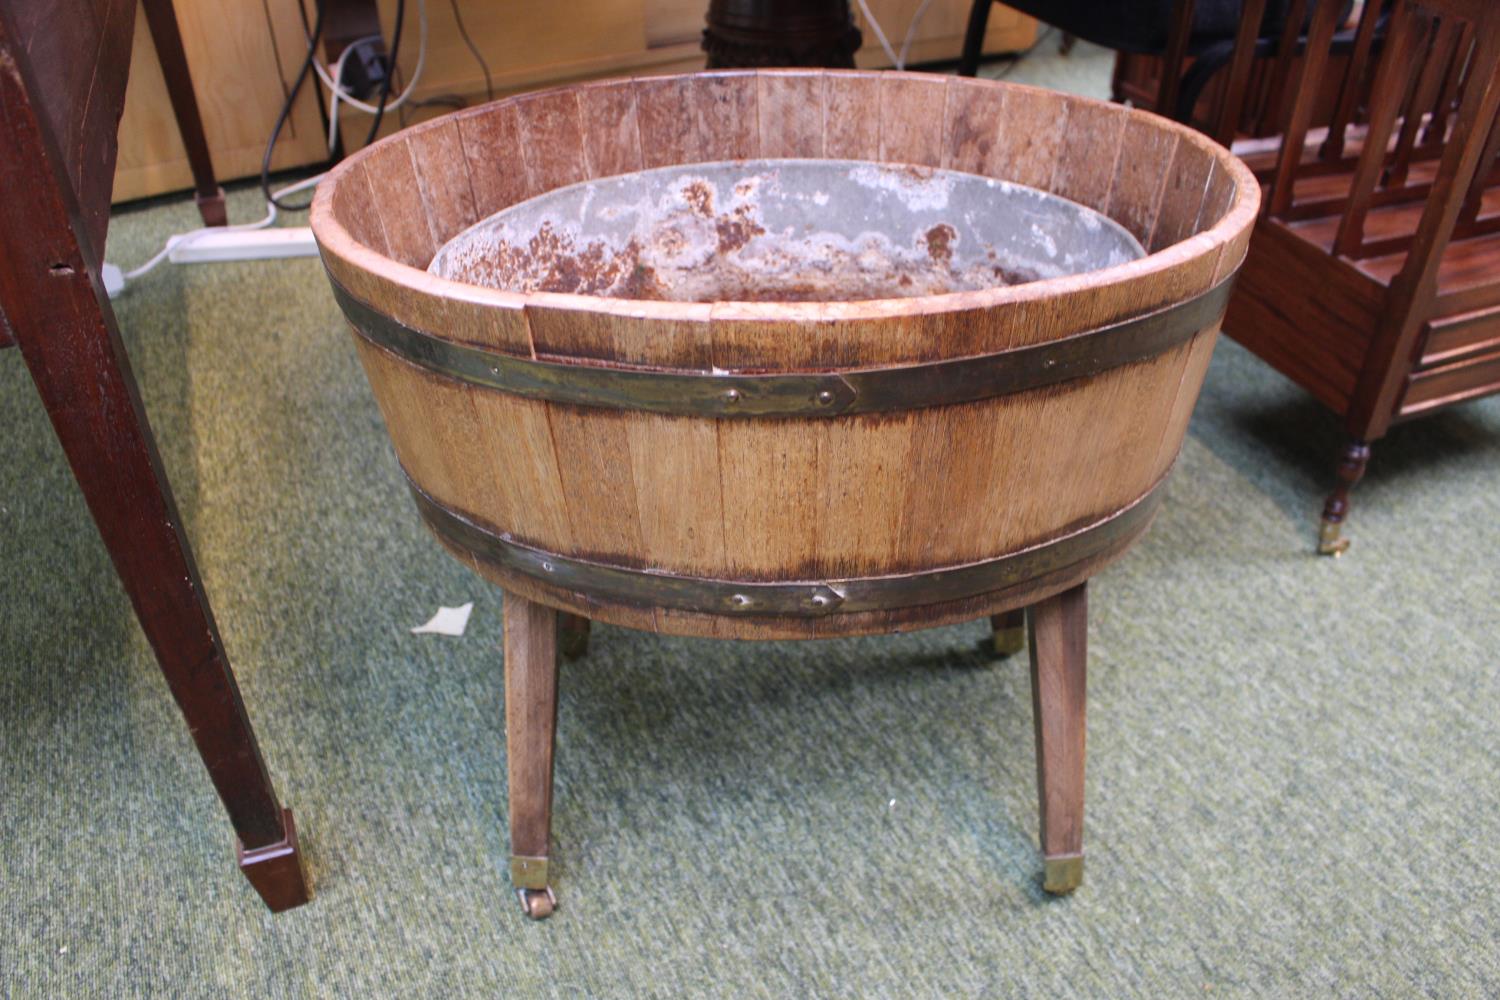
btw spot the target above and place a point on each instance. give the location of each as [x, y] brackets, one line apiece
[795, 394]
[796, 599]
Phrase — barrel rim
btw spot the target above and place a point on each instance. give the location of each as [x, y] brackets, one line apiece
[334, 239]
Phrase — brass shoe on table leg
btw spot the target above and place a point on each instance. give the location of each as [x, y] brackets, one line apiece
[529, 876]
[1330, 542]
[1062, 874]
[1009, 632]
[1009, 641]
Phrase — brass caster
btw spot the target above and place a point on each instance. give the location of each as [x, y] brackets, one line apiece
[537, 904]
[1062, 874]
[1010, 641]
[1008, 633]
[1329, 542]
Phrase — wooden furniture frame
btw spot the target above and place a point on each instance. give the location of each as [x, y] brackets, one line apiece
[1373, 279]
[735, 469]
[62, 85]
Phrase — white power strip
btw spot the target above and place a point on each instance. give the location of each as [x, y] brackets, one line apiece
[242, 244]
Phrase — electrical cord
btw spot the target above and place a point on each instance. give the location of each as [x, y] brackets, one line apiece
[489, 84]
[911, 33]
[307, 30]
[338, 74]
[897, 60]
[890, 53]
[286, 112]
[182, 239]
[390, 72]
[350, 100]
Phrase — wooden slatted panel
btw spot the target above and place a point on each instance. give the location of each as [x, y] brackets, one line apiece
[1429, 82]
[1353, 87]
[1308, 87]
[1404, 40]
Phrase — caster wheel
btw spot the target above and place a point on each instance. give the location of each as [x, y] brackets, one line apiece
[537, 904]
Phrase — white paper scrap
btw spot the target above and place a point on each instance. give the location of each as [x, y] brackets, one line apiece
[447, 621]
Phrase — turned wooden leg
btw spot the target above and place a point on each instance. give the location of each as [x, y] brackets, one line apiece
[1059, 652]
[530, 729]
[1351, 469]
[1010, 631]
[572, 635]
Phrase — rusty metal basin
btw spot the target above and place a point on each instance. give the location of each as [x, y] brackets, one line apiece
[784, 230]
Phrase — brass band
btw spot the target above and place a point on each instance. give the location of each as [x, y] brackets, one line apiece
[795, 394]
[800, 599]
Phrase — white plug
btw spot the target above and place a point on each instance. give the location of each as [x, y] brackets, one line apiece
[114, 280]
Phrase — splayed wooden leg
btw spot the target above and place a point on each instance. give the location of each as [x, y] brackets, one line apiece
[1059, 654]
[530, 731]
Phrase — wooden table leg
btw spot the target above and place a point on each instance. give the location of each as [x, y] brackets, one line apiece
[167, 37]
[1059, 654]
[63, 324]
[86, 384]
[1010, 631]
[1351, 469]
[530, 732]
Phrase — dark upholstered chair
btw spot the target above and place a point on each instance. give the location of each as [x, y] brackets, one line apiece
[1206, 30]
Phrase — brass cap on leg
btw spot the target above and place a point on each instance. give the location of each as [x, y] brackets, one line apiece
[1062, 873]
[528, 872]
[1329, 542]
[1009, 641]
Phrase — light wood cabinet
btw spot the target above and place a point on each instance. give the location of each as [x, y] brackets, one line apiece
[243, 57]
[533, 43]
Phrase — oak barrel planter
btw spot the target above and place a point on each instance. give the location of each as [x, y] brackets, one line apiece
[787, 469]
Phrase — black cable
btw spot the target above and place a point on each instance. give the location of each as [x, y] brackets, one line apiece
[286, 112]
[390, 72]
[337, 153]
[489, 85]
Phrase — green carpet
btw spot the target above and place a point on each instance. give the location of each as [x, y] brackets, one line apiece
[1292, 786]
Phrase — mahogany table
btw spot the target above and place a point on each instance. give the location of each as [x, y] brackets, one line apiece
[63, 66]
